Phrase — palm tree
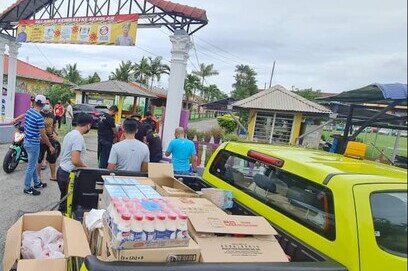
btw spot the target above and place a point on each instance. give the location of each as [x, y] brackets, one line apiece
[205, 71]
[142, 71]
[92, 79]
[191, 84]
[71, 73]
[123, 73]
[54, 70]
[157, 69]
[211, 93]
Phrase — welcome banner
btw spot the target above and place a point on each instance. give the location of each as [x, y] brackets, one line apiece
[101, 30]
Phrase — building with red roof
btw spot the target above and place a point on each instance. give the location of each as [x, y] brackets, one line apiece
[30, 78]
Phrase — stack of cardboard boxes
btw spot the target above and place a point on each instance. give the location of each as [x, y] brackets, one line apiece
[216, 236]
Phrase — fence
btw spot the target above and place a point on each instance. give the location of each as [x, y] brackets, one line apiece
[201, 115]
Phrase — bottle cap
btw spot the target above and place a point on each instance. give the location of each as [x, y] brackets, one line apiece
[150, 217]
[125, 216]
[138, 217]
[161, 216]
[183, 216]
[125, 199]
[172, 216]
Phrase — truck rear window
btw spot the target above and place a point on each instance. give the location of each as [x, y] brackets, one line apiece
[302, 200]
[389, 211]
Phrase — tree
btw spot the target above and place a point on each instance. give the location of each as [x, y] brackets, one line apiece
[59, 93]
[191, 84]
[212, 93]
[205, 71]
[245, 82]
[92, 79]
[71, 73]
[157, 69]
[308, 93]
[123, 73]
[55, 71]
[142, 71]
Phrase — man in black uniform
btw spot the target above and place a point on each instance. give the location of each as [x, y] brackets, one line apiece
[106, 134]
[154, 143]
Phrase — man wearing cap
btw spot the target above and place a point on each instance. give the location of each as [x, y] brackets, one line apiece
[124, 39]
[34, 130]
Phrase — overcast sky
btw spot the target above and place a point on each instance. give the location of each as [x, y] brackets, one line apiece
[328, 45]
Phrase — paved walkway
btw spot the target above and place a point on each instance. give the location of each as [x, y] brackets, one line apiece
[203, 125]
[14, 200]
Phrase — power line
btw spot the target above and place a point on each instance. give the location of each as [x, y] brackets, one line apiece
[46, 58]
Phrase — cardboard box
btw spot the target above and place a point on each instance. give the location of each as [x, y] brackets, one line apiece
[195, 205]
[127, 180]
[94, 238]
[75, 242]
[152, 255]
[218, 236]
[162, 175]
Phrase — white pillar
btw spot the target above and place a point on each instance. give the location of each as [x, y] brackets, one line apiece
[2, 49]
[11, 79]
[179, 56]
[396, 146]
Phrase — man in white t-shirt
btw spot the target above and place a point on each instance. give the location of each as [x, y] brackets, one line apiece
[129, 154]
[69, 115]
[72, 153]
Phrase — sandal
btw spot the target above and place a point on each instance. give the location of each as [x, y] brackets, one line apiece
[53, 180]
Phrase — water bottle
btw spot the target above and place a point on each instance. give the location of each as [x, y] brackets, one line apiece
[160, 227]
[182, 230]
[137, 228]
[149, 227]
[124, 227]
[171, 225]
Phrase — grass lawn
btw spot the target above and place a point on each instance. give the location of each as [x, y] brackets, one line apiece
[382, 142]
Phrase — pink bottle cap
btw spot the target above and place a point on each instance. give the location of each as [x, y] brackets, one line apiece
[172, 216]
[126, 216]
[149, 217]
[183, 216]
[125, 199]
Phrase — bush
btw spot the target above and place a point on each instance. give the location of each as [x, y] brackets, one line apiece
[230, 137]
[191, 133]
[200, 136]
[207, 136]
[228, 123]
[59, 93]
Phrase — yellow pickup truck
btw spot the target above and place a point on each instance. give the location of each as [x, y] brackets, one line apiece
[354, 211]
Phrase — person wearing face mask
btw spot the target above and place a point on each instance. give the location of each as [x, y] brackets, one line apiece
[50, 130]
[73, 153]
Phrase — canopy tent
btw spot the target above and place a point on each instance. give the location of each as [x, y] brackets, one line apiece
[374, 93]
[375, 105]
[220, 105]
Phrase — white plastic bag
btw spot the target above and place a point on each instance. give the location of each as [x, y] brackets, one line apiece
[47, 243]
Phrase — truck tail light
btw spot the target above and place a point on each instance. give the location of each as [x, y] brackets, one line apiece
[266, 158]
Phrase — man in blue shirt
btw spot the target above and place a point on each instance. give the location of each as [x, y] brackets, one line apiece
[182, 151]
[34, 130]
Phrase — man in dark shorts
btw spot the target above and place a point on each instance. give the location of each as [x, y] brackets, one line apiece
[106, 134]
[50, 130]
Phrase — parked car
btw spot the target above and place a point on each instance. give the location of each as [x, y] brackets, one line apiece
[94, 110]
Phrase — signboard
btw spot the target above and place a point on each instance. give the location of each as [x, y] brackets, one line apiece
[101, 30]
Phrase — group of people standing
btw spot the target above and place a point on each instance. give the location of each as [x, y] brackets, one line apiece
[129, 147]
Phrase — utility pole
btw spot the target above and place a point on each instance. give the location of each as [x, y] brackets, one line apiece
[273, 70]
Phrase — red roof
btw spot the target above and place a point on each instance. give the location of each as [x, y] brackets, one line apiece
[167, 6]
[26, 70]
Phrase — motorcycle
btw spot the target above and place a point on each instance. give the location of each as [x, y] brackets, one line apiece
[17, 153]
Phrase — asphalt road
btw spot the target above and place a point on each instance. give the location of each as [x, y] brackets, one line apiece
[203, 125]
[13, 200]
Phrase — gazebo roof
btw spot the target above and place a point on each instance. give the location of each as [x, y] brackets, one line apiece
[115, 87]
[278, 98]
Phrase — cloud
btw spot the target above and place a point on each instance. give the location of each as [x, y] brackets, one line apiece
[327, 45]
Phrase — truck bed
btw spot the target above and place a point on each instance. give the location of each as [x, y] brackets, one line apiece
[302, 257]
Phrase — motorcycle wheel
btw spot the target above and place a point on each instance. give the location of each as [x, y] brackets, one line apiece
[10, 161]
